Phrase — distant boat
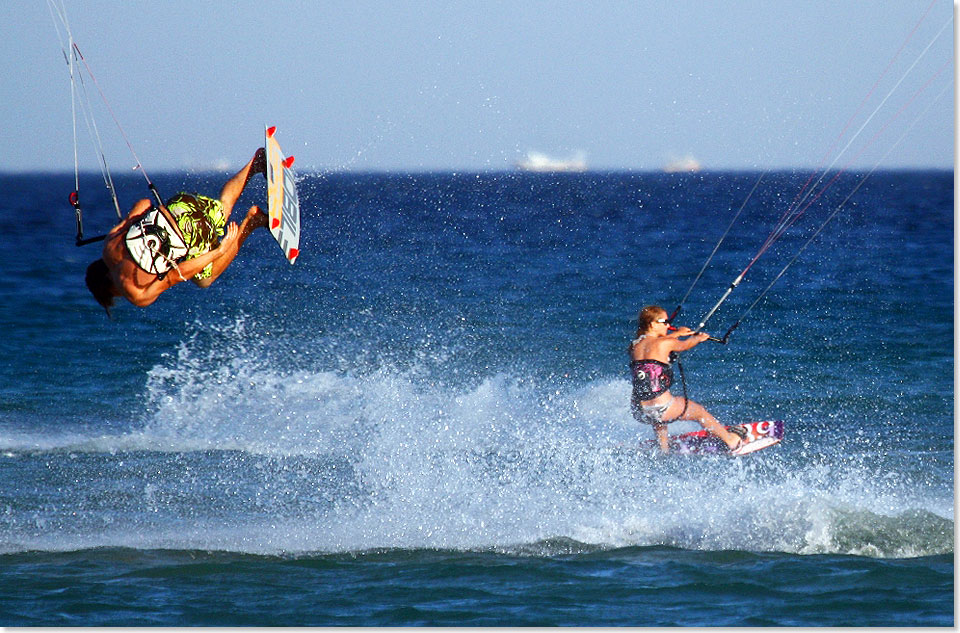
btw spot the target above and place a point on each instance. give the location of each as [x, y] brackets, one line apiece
[537, 161]
[687, 164]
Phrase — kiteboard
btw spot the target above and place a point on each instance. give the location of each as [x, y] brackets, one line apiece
[755, 436]
[282, 201]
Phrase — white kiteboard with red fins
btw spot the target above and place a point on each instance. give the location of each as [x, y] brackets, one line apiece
[755, 436]
[282, 201]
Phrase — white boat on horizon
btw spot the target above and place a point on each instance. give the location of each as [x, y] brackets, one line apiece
[540, 162]
[685, 164]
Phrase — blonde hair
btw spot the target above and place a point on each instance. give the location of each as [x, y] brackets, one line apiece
[646, 317]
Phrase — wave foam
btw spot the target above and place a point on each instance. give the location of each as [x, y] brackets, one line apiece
[236, 454]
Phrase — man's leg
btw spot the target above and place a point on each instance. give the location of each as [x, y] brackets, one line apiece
[231, 191]
[254, 220]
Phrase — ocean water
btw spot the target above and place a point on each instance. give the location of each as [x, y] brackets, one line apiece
[425, 421]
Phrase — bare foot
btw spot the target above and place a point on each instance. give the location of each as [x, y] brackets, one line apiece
[254, 220]
[259, 165]
[256, 217]
[734, 438]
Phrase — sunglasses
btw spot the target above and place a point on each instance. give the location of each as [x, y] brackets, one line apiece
[662, 321]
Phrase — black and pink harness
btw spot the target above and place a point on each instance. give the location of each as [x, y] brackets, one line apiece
[650, 378]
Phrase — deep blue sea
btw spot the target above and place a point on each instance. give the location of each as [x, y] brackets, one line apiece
[425, 420]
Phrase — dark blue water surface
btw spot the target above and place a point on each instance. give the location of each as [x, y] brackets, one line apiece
[426, 419]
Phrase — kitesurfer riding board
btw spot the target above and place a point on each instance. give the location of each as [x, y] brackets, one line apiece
[652, 354]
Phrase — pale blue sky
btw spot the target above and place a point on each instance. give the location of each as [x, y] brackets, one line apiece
[450, 85]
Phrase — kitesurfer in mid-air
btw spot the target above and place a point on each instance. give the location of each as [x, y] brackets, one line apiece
[651, 363]
[155, 248]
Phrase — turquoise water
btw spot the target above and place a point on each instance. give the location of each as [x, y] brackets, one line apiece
[426, 421]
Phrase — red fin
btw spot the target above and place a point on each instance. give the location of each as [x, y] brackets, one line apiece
[271, 130]
[274, 223]
[288, 162]
[293, 253]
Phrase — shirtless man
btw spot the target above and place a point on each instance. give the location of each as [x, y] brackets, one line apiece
[651, 364]
[153, 249]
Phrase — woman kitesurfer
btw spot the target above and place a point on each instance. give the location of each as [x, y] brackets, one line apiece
[652, 354]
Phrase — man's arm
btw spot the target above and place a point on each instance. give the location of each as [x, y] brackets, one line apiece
[144, 296]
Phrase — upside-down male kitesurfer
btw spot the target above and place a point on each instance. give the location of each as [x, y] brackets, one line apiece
[651, 365]
[155, 248]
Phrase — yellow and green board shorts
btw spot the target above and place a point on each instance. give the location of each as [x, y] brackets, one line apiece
[201, 221]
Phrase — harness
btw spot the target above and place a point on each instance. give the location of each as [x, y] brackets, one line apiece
[155, 242]
[649, 371]
[650, 378]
